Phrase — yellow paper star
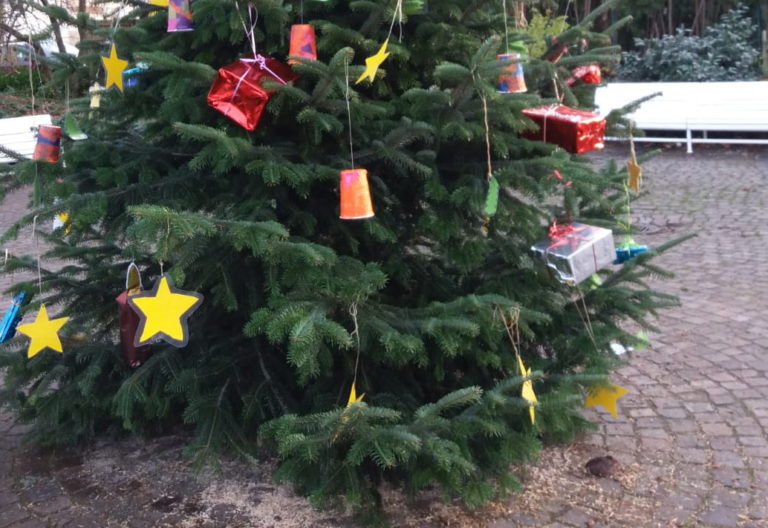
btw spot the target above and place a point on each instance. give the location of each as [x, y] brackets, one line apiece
[635, 173]
[43, 333]
[353, 397]
[164, 312]
[114, 67]
[606, 397]
[527, 391]
[372, 63]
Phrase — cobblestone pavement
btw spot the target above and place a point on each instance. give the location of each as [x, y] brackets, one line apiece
[692, 435]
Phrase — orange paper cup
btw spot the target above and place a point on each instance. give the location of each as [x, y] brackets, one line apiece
[302, 42]
[355, 195]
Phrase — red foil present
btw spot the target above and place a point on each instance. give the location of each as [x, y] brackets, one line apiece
[302, 42]
[237, 91]
[129, 320]
[589, 74]
[576, 131]
[48, 143]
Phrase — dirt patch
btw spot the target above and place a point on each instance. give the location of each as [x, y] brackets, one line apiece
[150, 483]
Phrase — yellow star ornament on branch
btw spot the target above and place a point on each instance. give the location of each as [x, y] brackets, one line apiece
[606, 397]
[635, 173]
[372, 63]
[114, 67]
[527, 390]
[43, 333]
[353, 397]
[164, 313]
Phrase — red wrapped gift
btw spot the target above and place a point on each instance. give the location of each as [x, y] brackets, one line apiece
[237, 91]
[576, 131]
[589, 74]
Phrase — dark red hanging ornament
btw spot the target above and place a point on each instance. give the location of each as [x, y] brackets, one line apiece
[588, 74]
[129, 320]
[237, 91]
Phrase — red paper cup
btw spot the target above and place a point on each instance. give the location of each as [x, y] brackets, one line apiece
[48, 143]
[302, 42]
[513, 79]
[355, 195]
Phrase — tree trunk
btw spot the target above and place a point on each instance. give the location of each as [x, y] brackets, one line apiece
[82, 32]
[56, 30]
[670, 20]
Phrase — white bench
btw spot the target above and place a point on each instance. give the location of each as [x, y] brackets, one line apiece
[18, 134]
[690, 108]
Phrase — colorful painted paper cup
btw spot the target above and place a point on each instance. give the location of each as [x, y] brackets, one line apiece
[48, 143]
[179, 16]
[355, 195]
[302, 42]
[512, 80]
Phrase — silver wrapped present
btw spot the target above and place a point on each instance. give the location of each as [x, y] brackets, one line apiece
[574, 252]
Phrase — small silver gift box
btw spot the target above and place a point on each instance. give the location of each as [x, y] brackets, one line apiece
[575, 252]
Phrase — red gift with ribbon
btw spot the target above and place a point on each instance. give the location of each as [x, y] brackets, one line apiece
[574, 252]
[237, 91]
[589, 74]
[576, 131]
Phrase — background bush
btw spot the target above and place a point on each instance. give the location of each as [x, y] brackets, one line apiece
[725, 52]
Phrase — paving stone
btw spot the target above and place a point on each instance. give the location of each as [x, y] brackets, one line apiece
[11, 515]
[721, 517]
[575, 517]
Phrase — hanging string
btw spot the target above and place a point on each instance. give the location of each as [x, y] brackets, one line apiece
[506, 26]
[397, 14]
[37, 252]
[489, 174]
[584, 316]
[301, 11]
[349, 114]
[356, 333]
[253, 18]
[510, 326]
[118, 16]
[557, 90]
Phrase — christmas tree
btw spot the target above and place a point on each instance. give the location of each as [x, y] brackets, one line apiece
[425, 345]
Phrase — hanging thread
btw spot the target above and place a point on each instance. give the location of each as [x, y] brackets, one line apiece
[489, 175]
[253, 18]
[37, 253]
[349, 113]
[356, 333]
[397, 14]
[506, 26]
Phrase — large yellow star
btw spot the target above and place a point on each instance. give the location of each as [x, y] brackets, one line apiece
[372, 63]
[164, 312]
[43, 333]
[114, 67]
[606, 397]
[527, 392]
